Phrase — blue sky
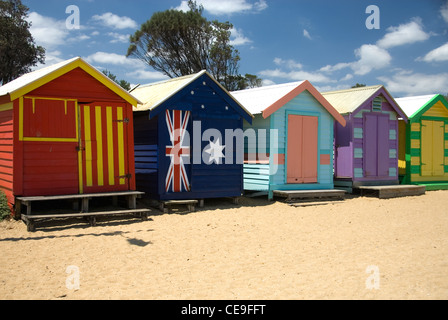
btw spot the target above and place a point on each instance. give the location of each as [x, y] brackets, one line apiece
[324, 41]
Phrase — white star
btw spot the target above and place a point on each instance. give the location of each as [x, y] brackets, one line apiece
[215, 151]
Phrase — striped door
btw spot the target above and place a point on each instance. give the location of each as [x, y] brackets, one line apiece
[432, 148]
[302, 149]
[103, 148]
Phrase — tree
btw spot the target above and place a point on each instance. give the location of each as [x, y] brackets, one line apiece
[178, 43]
[359, 85]
[18, 52]
[122, 83]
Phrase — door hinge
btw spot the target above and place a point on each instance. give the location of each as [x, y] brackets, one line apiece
[125, 120]
[127, 176]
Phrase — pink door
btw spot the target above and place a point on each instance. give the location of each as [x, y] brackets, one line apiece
[302, 149]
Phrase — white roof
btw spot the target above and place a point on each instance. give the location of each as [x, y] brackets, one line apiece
[410, 105]
[347, 101]
[32, 76]
[258, 99]
[33, 80]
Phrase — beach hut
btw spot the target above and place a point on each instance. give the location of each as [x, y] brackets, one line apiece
[423, 151]
[296, 122]
[366, 149]
[65, 130]
[185, 145]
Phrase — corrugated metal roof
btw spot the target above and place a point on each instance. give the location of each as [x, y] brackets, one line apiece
[154, 94]
[412, 105]
[347, 101]
[258, 99]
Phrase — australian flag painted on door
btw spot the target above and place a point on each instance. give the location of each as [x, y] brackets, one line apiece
[178, 152]
[181, 151]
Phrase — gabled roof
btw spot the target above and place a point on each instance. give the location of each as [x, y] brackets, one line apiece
[153, 95]
[267, 100]
[36, 79]
[349, 100]
[414, 105]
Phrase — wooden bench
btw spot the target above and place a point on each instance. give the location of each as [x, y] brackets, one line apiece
[30, 218]
[191, 205]
[91, 216]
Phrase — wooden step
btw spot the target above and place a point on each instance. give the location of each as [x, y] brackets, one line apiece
[309, 194]
[31, 219]
[395, 191]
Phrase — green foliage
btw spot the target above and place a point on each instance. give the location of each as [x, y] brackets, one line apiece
[122, 83]
[18, 52]
[178, 43]
[5, 211]
[359, 85]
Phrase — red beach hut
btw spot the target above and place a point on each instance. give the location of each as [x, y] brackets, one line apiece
[66, 129]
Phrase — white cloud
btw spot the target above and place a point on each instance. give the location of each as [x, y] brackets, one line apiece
[220, 7]
[437, 55]
[111, 20]
[371, 57]
[113, 58]
[238, 38]
[336, 67]
[290, 64]
[306, 34]
[118, 38]
[406, 83]
[404, 34]
[46, 31]
[347, 77]
[146, 75]
[296, 75]
[444, 11]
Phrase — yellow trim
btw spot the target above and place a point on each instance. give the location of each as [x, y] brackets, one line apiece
[88, 147]
[21, 119]
[34, 105]
[78, 129]
[415, 161]
[7, 107]
[78, 63]
[99, 146]
[446, 128]
[446, 144]
[34, 139]
[415, 127]
[415, 144]
[121, 169]
[110, 146]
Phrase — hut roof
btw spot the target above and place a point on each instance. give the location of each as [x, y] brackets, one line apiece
[349, 100]
[267, 100]
[155, 94]
[35, 79]
[413, 105]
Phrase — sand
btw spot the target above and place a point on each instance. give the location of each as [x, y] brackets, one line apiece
[361, 248]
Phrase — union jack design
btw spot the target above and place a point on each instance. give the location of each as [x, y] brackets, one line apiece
[177, 178]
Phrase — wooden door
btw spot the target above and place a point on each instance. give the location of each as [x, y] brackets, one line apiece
[376, 145]
[104, 148]
[432, 148]
[48, 131]
[302, 149]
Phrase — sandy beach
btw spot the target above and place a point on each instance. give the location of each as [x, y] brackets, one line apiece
[361, 248]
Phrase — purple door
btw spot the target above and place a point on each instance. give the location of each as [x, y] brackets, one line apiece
[376, 145]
